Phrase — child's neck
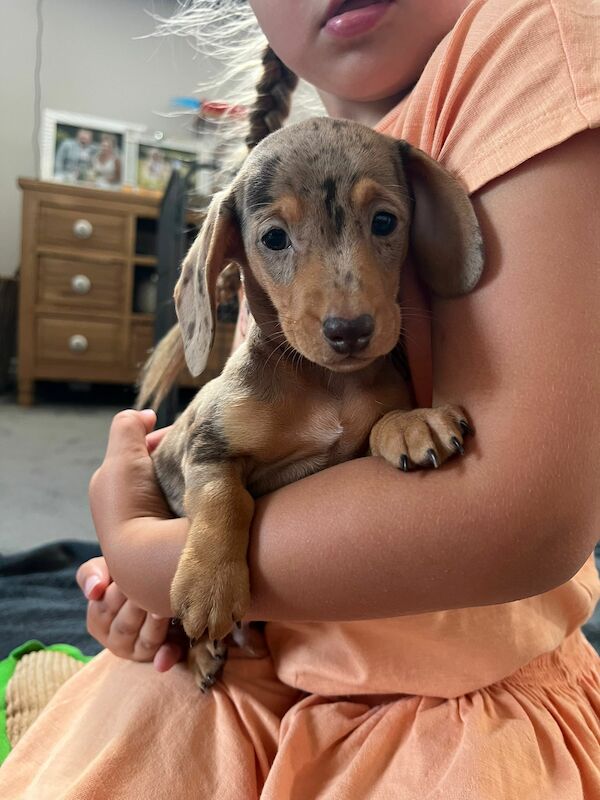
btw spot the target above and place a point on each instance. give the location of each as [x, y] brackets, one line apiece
[369, 112]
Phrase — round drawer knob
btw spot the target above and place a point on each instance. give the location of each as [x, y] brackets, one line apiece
[78, 343]
[81, 284]
[82, 228]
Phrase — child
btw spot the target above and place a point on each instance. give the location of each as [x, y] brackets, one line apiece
[443, 657]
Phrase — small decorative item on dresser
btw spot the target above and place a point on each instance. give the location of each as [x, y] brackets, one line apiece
[146, 294]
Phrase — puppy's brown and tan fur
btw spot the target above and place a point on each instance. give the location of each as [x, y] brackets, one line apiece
[320, 220]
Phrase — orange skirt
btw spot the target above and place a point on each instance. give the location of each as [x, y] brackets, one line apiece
[119, 730]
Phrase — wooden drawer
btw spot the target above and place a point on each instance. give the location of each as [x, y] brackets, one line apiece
[78, 340]
[82, 229]
[140, 343]
[80, 284]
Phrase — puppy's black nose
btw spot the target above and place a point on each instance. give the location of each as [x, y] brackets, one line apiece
[348, 335]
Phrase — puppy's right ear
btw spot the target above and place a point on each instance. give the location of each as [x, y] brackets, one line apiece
[218, 243]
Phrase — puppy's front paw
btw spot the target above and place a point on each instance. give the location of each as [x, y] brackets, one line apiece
[209, 596]
[425, 437]
[206, 659]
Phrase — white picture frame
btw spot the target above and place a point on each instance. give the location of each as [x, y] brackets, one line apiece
[88, 151]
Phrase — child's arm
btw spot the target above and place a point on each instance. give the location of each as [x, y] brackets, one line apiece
[519, 514]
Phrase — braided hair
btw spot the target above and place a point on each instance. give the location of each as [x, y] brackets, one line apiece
[273, 98]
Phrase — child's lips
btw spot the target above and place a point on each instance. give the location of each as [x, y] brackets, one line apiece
[347, 18]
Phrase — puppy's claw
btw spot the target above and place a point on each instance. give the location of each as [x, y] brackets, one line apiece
[433, 458]
[465, 427]
[421, 438]
[457, 445]
[207, 682]
[206, 662]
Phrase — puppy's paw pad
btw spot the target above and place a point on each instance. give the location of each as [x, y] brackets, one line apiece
[424, 437]
[210, 598]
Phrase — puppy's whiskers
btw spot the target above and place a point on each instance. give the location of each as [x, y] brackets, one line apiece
[425, 312]
[283, 355]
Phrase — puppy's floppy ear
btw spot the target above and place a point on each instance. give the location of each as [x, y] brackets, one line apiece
[218, 243]
[445, 236]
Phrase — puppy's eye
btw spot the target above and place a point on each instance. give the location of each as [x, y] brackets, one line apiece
[383, 223]
[276, 239]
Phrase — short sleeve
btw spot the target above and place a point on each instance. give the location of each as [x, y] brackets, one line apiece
[512, 79]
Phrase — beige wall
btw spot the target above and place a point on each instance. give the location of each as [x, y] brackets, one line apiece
[92, 64]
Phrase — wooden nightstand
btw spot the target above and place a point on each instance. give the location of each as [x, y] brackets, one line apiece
[84, 252]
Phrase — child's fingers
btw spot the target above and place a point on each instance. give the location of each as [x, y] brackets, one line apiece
[149, 419]
[101, 613]
[93, 578]
[154, 438]
[173, 650]
[167, 656]
[125, 629]
[151, 636]
[112, 602]
[128, 433]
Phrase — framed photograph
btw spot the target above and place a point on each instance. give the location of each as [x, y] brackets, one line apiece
[79, 149]
[156, 161]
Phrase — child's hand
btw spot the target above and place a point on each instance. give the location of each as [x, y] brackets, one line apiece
[119, 625]
[124, 487]
[139, 537]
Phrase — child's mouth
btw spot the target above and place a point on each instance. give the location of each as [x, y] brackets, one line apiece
[350, 18]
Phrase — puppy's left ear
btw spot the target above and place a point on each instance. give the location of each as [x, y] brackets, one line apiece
[218, 243]
[445, 236]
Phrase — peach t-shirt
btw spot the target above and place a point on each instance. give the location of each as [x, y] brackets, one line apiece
[512, 79]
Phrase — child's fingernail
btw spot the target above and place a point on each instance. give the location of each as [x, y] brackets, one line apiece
[156, 616]
[149, 414]
[90, 584]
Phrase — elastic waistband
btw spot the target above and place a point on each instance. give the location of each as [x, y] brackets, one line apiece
[572, 660]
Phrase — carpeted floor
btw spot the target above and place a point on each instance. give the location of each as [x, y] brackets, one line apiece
[47, 456]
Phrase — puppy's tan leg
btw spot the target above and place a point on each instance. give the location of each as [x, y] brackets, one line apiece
[206, 659]
[211, 590]
[425, 437]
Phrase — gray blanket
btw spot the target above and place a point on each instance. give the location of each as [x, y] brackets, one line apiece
[40, 599]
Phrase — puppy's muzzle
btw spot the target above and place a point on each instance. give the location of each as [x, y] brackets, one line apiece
[348, 336]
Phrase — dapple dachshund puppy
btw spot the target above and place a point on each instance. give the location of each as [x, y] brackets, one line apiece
[319, 220]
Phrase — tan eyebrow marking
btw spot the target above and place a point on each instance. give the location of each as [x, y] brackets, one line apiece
[366, 189]
[289, 207]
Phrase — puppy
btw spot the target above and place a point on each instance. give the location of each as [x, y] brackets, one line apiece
[319, 220]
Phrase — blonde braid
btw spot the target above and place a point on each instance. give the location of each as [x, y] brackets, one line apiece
[273, 98]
